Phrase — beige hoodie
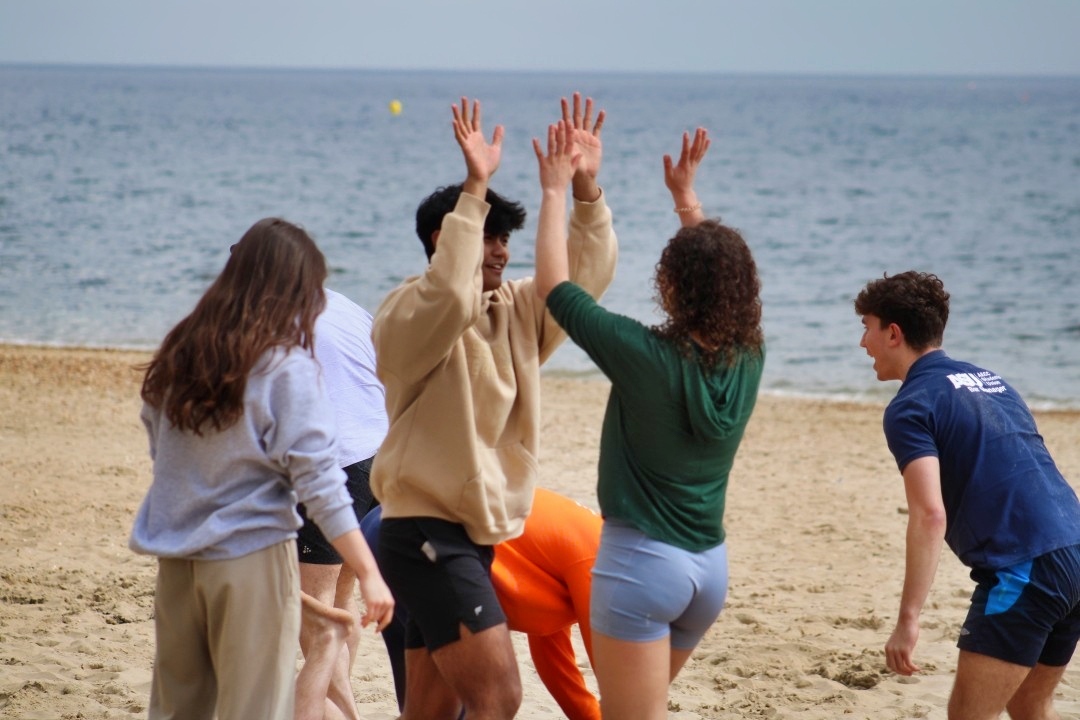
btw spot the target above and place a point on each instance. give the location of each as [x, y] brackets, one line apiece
[462, 374]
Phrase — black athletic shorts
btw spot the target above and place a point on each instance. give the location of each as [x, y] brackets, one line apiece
[1028, 613]
[311, 545]
[441, 577]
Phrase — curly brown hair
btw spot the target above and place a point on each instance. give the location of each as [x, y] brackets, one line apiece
[268, 295]
[707, 284]
[916, 301]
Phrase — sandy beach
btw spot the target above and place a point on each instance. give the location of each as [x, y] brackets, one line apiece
[815, 519]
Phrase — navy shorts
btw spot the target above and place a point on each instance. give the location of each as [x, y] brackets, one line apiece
[441, 577]
[311, 545]
[1027, 613]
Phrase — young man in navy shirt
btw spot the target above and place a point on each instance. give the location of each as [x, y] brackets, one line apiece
[978, 476]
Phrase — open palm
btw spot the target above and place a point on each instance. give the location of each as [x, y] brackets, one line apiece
[586, 134]
[481, 157]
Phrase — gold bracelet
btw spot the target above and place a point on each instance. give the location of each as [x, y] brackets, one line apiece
[692, 208]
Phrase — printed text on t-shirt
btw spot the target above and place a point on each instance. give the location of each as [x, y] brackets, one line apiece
[982, 381]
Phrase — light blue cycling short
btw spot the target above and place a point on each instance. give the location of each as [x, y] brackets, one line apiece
[644, 589]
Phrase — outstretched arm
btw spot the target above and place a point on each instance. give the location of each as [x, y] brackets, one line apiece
[925, 536]
[679, 178]
[481, 158]
[557, 167]
[445, 301]
[587, 139]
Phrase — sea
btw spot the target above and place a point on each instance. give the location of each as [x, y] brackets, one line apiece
[122, 188]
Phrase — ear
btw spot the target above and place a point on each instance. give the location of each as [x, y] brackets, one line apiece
[896, 335]
[435, 237]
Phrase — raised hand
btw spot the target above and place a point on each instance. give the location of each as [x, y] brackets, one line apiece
[557, 167]
[679, 177]
[586, 135]
[562, 159]
[481, 158]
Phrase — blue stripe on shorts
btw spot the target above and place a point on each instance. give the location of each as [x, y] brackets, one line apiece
[1011, 582]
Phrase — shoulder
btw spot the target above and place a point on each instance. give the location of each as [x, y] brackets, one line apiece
[390, 302]
[339, 306]
[279, 362]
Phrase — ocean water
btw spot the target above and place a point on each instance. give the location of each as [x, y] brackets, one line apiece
[121, 191]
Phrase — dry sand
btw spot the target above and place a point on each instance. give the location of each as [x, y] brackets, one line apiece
[815, 525]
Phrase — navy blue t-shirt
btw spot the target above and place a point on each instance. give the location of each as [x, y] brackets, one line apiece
[1005, 500]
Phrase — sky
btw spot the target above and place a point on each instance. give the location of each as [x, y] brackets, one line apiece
[909, 37]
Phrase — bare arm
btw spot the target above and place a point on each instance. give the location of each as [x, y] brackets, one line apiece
[679, 178]
[445, 301]
[925, 536]
[378, 602]
[557, 167]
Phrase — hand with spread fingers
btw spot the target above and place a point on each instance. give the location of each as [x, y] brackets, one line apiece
[679, 177]
[586, 134]
[481, 157]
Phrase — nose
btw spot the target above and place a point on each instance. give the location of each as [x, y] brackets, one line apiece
[499, 251]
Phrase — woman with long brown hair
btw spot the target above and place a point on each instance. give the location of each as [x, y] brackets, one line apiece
[240, 429]
[681, 395]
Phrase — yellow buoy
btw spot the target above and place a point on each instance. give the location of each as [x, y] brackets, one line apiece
[395, 107]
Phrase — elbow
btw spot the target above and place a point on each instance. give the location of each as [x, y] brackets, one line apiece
[931, 521]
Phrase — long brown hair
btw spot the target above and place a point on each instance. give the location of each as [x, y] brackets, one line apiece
[707, 284]
[268, 295]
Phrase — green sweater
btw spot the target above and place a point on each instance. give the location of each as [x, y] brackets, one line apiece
[670, 429]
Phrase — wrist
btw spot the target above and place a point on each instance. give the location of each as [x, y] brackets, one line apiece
[684, 199]
[475, 186]
[585, 188]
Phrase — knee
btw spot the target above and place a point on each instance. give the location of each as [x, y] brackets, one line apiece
[1026, 707]
[323, 624]
[511, 696]
[500, 699]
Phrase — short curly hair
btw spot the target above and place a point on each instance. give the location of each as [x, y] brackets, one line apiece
[916, 301]
[504, 216]
[707, 284]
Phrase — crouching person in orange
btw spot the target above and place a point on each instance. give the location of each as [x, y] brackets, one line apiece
[542, 579]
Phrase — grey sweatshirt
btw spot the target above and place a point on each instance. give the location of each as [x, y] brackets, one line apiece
[230, 493]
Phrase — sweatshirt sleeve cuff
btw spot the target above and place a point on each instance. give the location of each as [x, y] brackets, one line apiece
[472, 207]
[591, 212]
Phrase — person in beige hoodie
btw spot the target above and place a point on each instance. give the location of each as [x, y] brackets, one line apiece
[459, 352]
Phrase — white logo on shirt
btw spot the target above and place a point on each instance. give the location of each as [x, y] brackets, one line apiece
[982, 381]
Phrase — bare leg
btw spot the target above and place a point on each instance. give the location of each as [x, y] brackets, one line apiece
[340, 692]
[427, 696]
[1034, 699]
[983, 687]
[678, 659]
[634, 676]
[327, 629]
[478, 671]
[323, 687]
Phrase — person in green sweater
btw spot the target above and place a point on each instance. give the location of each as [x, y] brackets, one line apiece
[681, 395]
